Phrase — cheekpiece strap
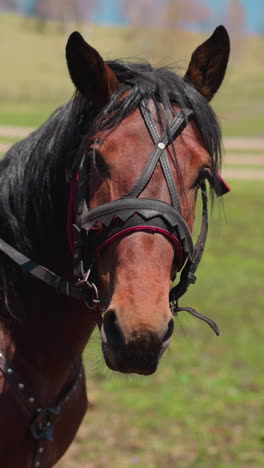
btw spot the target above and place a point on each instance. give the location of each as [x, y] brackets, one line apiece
[188, 272]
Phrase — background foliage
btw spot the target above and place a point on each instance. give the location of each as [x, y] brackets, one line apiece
[34, 78]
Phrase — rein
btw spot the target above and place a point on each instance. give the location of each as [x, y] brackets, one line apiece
[62, 286]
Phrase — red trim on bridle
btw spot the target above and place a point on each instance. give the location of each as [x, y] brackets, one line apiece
[225, 184]
[178, 248]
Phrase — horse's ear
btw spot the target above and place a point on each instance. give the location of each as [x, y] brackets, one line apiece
[91, 76]
[208, 63]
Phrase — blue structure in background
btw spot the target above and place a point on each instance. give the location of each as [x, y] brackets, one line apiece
[254, 12]
[27, 6]
[111, 12]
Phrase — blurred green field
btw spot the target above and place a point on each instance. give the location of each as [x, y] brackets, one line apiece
[34, 78]
[204, 408]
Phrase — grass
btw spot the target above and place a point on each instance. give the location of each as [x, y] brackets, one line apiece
[34, 78]
[204, 406]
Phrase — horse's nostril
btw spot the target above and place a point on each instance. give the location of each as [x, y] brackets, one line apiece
[112, 330]
[169, 331]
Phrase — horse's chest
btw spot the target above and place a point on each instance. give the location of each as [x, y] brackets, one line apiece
[18, 447]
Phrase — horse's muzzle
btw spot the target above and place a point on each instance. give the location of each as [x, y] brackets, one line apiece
[139, 355]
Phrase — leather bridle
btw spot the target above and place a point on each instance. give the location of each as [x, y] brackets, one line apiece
[131, 214]
[127, 215]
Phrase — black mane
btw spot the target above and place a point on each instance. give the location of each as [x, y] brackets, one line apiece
[32, 174]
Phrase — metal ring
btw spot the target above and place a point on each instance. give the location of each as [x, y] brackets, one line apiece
[86, 275]
[95, 301]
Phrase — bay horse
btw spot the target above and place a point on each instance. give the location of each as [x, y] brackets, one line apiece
[97, 208]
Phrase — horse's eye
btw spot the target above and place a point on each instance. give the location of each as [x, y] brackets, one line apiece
[100, 164]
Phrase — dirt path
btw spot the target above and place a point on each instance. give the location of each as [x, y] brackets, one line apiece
[14, 132]
[230, 143]
[242, 143]
[242, 174]
[4, 147]
[243, 160]
[239, 143]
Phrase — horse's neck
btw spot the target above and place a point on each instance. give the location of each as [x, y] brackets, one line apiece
[50, 331]
[46, 341]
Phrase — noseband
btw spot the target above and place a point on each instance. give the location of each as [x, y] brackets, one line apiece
[130, 214]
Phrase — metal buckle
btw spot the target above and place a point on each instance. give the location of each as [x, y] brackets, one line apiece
[84, 282]
[42, 427]
[174, 307]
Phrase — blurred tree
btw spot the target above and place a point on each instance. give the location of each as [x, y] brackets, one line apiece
[141, 12]
[235, 22]
[236, 16]
[168, 17]
[8, 4]
[63, 11]
[166, 13]
[179, 13]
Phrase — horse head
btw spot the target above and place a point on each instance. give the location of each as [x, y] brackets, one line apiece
[153, 142]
